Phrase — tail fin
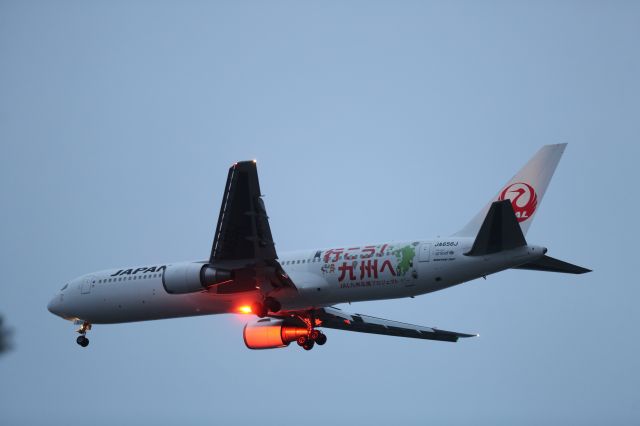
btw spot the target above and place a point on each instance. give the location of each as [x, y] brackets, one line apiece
[525, 190]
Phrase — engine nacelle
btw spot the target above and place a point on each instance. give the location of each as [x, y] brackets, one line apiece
[181, 278]
[269, 333]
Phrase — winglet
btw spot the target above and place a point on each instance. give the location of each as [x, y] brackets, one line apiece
[499, 231]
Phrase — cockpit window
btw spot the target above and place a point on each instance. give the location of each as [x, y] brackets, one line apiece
[65, 287]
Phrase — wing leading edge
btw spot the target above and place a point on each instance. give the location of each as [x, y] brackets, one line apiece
[341, 320]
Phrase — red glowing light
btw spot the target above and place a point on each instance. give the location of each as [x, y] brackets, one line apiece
[244, 309]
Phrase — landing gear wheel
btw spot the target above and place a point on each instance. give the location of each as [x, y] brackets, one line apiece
[314, 334]
[259, 309]
[82, 341]
[302, 340]
[321, 339]
[309, 345]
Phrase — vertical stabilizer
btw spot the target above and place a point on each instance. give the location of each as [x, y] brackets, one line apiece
[525, 190]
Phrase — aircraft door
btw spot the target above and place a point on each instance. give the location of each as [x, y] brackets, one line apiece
[87, 283]
[425, 252]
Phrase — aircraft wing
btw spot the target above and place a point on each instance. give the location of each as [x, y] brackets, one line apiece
[243, 240]
[243, 231]
[341, 320]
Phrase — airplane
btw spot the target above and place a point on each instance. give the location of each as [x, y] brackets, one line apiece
[293, 295]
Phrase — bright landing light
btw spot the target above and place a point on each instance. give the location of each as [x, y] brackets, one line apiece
[245, 309]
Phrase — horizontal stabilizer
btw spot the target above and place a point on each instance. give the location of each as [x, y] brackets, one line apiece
[550, 264]
[500, 231]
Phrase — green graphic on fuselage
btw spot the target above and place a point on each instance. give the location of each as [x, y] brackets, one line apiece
[405, 257]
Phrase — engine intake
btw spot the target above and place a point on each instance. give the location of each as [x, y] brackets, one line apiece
[189, 277]
[269, 333]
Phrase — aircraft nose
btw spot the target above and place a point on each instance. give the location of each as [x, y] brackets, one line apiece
[54, 306]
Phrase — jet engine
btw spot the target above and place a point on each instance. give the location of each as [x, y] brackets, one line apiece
[181, 278]
[268, 333]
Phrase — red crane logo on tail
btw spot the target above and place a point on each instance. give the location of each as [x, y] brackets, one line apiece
[523, 199]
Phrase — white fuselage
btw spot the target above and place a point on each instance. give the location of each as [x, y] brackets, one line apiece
[322, 278]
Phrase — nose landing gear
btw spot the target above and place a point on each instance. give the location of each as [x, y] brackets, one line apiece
[82, 339]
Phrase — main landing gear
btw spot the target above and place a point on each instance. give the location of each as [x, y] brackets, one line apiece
[82, 339]
[315, 336]
[308, 341]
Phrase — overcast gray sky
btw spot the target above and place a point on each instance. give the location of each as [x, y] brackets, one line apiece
[371, 121]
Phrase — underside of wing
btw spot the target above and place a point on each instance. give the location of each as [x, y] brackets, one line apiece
[341, 320]
[243, 230]
[243, 241]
